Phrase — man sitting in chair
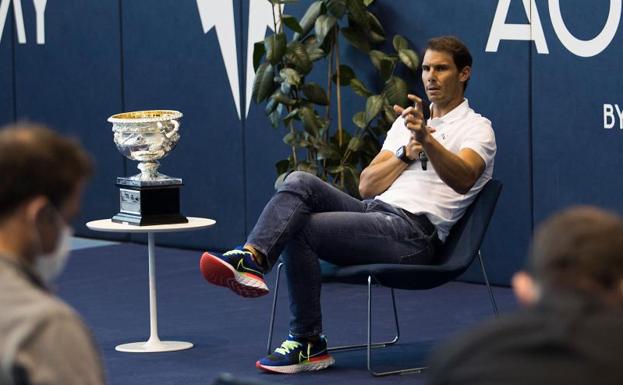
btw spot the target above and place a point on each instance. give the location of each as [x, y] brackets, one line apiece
[571, 328]
[421, 182]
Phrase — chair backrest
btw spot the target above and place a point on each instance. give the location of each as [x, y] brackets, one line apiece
[466, 236]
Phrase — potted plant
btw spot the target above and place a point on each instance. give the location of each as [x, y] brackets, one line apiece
[284, 63]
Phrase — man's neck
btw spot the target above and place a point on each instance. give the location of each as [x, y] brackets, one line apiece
[439, 111]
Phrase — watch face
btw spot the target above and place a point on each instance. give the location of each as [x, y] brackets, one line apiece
[400, 152]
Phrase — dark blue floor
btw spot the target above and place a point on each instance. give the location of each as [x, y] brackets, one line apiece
[108, 286]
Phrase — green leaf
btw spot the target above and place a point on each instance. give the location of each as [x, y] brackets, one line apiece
[282, 166]
[368, 2]
[376, 31]
[336, 7]
[276, 2]
[387, 68]
[292, 115]
[359, 88]
[315, 94]
[324, 25]
[311, 121]
[396, 91]
[377, 57]
[307, 167]
[291, 76]
[357, 38]
[358, 13]
[275, 117]
[328, 152]
[409, 58]
[280, 179]
[291, 22]
[309, 19]
[298, 57]
[374, 104]
[355, 143]
[400, 43]
[263, 84]
[389, 114]
[360, 119]
[275, 46]
[283, 99]
[346, 75]
[258, 52]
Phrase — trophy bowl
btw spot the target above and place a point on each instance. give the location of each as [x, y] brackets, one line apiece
[147, 136]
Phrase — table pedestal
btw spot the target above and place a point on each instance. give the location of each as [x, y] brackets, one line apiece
[153, 344]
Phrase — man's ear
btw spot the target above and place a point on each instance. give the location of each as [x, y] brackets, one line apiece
[525, 288]
[34, 207]
[465, 74]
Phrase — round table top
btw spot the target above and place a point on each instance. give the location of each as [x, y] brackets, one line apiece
[194, 223]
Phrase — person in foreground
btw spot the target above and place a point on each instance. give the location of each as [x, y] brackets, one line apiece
[409, 205]
[571, 328]
[42, 340]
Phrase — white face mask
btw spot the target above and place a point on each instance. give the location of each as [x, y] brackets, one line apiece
[49, 266]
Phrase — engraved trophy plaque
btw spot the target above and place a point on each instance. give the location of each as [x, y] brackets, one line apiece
[147, 198]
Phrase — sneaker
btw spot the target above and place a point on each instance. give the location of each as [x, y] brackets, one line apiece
[237, 270]
[297, 356]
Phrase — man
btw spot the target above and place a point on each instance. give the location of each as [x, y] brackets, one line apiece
[571, 330]
[42, 340]
[410, 206]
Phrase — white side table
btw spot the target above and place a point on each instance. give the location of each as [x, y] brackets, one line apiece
[154, 344]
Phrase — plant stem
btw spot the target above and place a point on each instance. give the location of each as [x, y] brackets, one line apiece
[280, 17]
[338, 87]
[274, 19]
[340, 129]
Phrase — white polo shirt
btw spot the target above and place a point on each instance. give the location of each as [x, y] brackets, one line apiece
[423, 192]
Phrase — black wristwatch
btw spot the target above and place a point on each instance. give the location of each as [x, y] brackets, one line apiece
[401, 153]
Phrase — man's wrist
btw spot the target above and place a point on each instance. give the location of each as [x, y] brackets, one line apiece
[401, 153]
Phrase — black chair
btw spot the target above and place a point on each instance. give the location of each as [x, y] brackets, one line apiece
[454, 257]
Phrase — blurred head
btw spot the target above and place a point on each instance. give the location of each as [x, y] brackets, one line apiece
[579, 249]
[42, 175]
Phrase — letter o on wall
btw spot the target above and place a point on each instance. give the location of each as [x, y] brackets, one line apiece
[586, 48]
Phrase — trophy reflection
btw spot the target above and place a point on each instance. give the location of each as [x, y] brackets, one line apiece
[149, 197]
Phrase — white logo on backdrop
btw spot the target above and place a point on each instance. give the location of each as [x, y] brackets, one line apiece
[219, 14]
[19, 19]
[533, 31]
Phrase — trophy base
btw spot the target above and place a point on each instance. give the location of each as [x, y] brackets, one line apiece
[149, 205]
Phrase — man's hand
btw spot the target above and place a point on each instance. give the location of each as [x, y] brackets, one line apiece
[414, 119]
[413, 149]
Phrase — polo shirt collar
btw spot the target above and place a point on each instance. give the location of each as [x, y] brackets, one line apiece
[457, 113]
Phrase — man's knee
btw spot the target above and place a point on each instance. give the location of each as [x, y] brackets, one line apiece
[298, 181]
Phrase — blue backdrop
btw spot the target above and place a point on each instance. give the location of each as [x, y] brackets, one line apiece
[100, 58]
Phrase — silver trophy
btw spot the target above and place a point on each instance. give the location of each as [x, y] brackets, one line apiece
[149, 197]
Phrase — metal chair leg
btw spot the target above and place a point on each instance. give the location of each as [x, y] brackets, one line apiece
[336, 348]
[370, 345]
[491, 296]
[274, 310]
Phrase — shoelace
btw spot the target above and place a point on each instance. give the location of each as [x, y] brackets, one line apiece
[287, 346]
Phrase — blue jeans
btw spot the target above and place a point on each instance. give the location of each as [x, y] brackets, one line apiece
[308, 219]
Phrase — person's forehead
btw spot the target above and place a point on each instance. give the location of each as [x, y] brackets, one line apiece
[431, 56]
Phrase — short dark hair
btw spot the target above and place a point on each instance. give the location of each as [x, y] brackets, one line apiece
[580, 248]
[35, 160]
[452, 45]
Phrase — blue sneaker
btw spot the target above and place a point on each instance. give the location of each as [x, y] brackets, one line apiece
[295, 356]
[237, 270]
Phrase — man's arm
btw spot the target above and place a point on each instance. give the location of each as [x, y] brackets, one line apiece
[380, 174]
[459, 171]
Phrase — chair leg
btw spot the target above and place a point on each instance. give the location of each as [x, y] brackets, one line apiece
[274, 310]
[336, 348]
[491, 296]
[370, 345]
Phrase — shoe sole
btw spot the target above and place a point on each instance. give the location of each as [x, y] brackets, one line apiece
[319, 363]
[221, 273]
